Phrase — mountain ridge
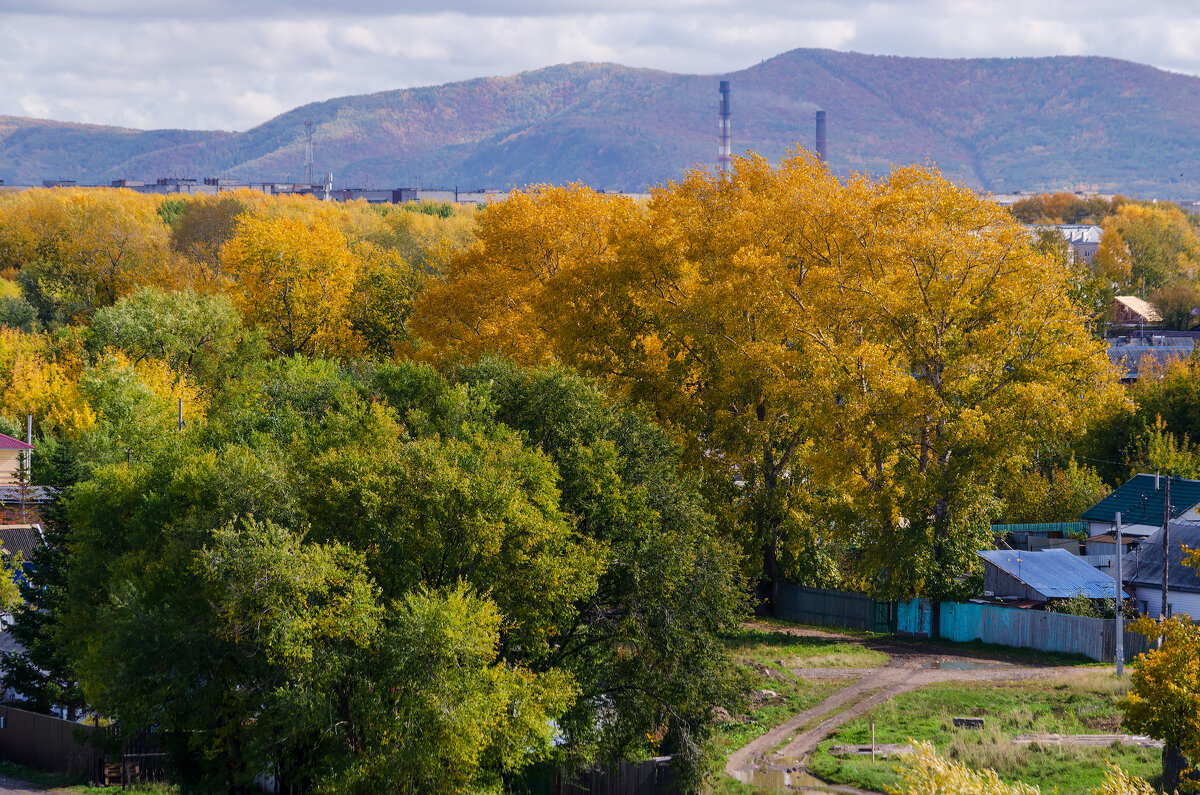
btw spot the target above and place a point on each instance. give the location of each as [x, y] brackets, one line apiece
[1000, 124]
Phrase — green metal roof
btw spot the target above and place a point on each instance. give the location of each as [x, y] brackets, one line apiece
[1039, 528]
[1140, 503]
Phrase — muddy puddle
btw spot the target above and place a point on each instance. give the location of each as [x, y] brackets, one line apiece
[777, 778]
[961, 665]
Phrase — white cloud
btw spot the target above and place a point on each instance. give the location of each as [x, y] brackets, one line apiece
[230, 64]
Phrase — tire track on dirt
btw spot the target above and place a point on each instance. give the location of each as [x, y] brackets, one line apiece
[910, 668]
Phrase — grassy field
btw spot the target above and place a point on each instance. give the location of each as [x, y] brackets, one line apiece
[63, 784]
[1074, 702]
[789, 651]
[760, 654]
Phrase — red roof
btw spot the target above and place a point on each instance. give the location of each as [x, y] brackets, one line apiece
[9, 443]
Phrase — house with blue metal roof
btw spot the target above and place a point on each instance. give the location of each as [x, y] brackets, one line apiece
[1020, 576]
[1140, 502]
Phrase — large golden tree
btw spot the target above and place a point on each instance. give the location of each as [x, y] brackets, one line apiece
[854, 361]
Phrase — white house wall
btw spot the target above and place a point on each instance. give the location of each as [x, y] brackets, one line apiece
[1150, 599]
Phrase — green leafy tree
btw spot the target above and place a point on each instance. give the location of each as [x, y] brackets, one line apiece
[199, 230]
[1060, 495]
[41, 675]
[1164, 695]
[1178, 304]
[303, 633]
[447, 715]
[645, 644]
[201, 335]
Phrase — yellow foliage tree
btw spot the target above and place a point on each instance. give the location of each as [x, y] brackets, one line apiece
[532, 252]
[895, 343]
[1164, 694]
[83, 249]
[294, 277]
[39, 378]
[1112, 260]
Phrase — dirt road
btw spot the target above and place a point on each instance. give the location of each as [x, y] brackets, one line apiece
[909, 668]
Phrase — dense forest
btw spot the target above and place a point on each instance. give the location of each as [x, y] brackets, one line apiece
[456, 491]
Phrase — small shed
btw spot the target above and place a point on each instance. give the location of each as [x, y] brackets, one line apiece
[11, 453]
[1043, 576]
[1106, 544]
[1129, 310]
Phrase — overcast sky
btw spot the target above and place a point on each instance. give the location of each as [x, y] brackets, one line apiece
[232, 64]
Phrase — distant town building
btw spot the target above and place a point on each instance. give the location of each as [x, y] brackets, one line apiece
[58, 183]
[1083, 240]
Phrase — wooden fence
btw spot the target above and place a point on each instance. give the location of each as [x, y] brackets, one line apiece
[827, 608]
[651, 777]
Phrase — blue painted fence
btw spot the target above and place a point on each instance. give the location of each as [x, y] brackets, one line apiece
[962, 622]
[1022, 629]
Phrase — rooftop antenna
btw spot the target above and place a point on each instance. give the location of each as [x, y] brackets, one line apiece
[308, 151]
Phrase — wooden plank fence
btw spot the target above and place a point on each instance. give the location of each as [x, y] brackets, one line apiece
[651, 777]
[826, 608]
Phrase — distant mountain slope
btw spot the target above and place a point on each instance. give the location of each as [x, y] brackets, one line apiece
[1000, 124]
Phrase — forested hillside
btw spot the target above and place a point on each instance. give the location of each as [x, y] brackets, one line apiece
[997, 124]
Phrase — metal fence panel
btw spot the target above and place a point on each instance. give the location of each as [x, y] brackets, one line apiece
[1036, 629]
[46, 742]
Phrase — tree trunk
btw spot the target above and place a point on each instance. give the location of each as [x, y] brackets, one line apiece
[771, 574]
[941, 537]
[1174, 764]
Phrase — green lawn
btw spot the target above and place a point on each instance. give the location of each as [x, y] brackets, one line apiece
[772, 647]
[1074, 702]
[63, 784]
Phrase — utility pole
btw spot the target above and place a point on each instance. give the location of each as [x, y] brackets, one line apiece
[1120, 655]
[1166, 548]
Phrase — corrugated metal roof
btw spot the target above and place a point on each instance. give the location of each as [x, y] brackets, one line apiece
[9, 443]
[1054, 573]
[11, 495]
[1128, 358]
[1140, 503]
[1040, 528]
[20, 539]
[1144, 565]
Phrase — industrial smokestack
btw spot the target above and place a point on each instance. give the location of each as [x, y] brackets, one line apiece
[724, 150]
[822, 144]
